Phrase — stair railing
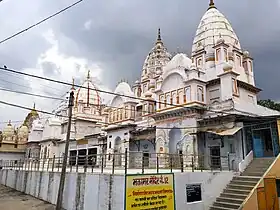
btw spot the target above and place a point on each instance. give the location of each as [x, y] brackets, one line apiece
[246, 161]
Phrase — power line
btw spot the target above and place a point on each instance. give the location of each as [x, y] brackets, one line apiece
[61, 99]
[30, 94]
[40, 22]
[30, 109]
[106, 92]
[117, 123]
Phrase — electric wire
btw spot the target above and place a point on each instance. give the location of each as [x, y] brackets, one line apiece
[117, 123]
[41, 21]
[108, 92]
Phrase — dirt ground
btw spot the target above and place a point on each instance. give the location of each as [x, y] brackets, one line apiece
[11, 199]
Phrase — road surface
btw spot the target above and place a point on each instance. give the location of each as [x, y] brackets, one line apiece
[11, 199]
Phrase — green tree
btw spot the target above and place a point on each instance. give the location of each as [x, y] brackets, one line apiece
[269, 104]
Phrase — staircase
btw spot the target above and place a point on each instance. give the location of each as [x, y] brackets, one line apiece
[240, 186]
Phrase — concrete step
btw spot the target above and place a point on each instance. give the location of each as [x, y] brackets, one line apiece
[230, 200]
[237, 191]
[227, 205]
[241, 187]
[233, 195]
[246, 178]
[244, 182]
[219, 208]
[249, 173]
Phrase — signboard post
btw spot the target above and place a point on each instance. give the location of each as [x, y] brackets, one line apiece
[149, 191]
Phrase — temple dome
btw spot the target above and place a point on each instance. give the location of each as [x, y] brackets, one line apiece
[9, 130]
[88, 93]
[214, 26]
[23, 131]
[179, 60]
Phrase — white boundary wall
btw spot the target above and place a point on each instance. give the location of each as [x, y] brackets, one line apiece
[106, 191]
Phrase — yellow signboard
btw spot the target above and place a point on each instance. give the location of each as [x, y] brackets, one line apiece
[149, 192]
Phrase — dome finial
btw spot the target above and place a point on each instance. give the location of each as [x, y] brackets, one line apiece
[88, 74]
[159, 35]
[9, 123]
[211, 4]
[34, 105]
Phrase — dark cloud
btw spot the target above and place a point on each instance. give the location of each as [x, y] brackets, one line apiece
[122, 33]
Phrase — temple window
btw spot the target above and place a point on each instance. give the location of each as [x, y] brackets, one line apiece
[145, 110]
[161, 100]
[125, 112]
[245, 66]
[181, 96]
[133, 111]
[200, 94]
[110, 145]
[199, 62]
[138, 111]
[234, 87]
[174, 98]
[121, 117]
[188, 93]
[238, 60]
[168, 100]
[114, 116]
[226, 54]
[218, 54]
[250, 66]
[139, 92]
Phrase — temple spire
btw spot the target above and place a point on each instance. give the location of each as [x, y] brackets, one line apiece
[211, 4]
[159, 36]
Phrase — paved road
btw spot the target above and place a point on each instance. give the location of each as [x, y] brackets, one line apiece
[14, 200]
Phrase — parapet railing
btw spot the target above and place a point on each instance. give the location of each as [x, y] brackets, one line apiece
[128, 162]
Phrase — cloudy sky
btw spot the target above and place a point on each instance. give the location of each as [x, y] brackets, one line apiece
[112, 38]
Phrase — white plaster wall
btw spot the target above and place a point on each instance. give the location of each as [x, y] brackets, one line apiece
[35, 135]
[11, 156]
[212, 184]
[111, 137]
[172, 82]
[212, 92]
[83, 128]
[106, 191]
[244, 96]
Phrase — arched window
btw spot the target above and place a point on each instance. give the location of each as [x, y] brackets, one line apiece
[200, 94]
[174, 98]
[188, 94]
[181, 96]
[199, 62]
[114, 116]
[168, 100]
[218, 54]
[238, 60]
[125, 112]
[121, 117]
[250, 66]
[226, 54]
[133, 111]
[161, 104]
[234, 87]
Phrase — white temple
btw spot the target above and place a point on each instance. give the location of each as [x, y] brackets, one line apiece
[199, 106]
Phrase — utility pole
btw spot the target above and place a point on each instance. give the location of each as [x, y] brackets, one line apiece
[65, 157]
